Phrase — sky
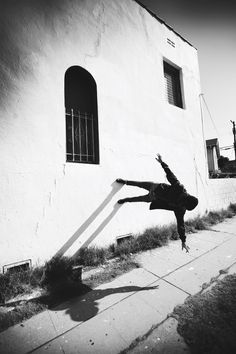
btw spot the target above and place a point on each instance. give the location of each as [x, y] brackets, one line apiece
[210, 26]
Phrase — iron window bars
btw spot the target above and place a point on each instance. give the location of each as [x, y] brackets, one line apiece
[80, 136]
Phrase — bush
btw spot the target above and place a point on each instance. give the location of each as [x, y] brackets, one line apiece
[214, 217]
[92, 256]
[149, 239]
[57, 270]
[154, 237]
[4, 284]
[124, 248]
[19, 282]
[232, 207]
[35, 276]
[198, 223]
[173, 232]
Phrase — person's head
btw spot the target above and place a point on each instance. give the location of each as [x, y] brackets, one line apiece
[190, 202]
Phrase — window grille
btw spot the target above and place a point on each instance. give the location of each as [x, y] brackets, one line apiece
[80, 136]
[172, 85]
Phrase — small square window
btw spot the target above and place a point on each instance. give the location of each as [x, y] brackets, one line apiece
[172, 85]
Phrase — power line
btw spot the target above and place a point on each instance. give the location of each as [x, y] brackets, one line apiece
[208, 110]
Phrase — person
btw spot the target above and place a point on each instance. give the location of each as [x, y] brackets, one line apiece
[165, 196]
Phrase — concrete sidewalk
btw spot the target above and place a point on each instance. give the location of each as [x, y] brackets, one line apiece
[112, 316]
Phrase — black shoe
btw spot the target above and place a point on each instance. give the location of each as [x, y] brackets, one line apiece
[121, 201]
[120, 180]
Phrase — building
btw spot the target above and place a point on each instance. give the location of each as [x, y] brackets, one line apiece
[90, 91]
[213, 154]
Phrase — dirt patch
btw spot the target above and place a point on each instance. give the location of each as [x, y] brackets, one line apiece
[207, 321]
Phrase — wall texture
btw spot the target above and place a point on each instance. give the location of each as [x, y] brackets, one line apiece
[221, 192]
[49, 206]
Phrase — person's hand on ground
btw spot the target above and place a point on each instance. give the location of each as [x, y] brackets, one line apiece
[184, 246]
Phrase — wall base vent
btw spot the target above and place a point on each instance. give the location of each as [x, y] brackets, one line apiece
[124, 238]
[17, 266]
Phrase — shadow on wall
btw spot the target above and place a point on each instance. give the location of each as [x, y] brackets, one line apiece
[87, 306]
[25, 28]
[115, 188]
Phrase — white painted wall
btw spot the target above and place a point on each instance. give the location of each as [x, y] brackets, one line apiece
[48, 205]
[221, 192]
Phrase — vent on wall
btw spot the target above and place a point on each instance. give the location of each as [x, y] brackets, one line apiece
[17, 266]
[169, 41]
[124, 238]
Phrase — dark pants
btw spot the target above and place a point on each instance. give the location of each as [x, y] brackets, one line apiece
[149, 186]
[150, 197]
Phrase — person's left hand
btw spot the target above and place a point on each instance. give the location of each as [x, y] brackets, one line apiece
[158, 158]
[184, 246]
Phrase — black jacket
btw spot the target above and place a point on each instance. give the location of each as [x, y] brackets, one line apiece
[165, 196]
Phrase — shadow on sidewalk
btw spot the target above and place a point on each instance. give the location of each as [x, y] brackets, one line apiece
[87, 306]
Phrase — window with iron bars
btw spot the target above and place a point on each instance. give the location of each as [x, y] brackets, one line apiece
[172, 85]
[80, 136]
[81, 116]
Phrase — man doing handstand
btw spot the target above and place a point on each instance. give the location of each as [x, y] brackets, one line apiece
[171, 196]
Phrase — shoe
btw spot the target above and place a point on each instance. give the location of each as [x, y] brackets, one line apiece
[120, 180]
[121, 201]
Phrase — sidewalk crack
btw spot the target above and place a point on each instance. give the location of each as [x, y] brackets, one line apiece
[223, 232]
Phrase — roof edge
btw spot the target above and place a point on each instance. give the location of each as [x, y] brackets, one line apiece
[163, 22]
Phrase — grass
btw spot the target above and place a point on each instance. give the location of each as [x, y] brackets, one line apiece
[59, 269]
[20, 313]
[115, 269]
[18, 283]
[92, 256]
[159, 236]
[56, 284]
[56, 275]
[207, 321]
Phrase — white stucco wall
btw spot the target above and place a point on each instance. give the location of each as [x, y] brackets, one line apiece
[221, 192]
[48, 205]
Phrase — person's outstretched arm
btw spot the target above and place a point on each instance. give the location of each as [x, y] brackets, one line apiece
[179, 215]
[169, 174]
[181, 229]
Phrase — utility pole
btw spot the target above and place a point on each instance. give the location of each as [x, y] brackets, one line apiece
[234, 133]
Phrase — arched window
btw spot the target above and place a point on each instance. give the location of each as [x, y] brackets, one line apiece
[81, 116]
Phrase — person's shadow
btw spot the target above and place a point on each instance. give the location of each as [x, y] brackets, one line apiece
[86, 306]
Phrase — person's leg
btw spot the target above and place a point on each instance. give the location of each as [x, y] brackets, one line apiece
[144, 185]
[141, 198]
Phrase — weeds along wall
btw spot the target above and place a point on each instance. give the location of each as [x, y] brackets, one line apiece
[50, 206]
